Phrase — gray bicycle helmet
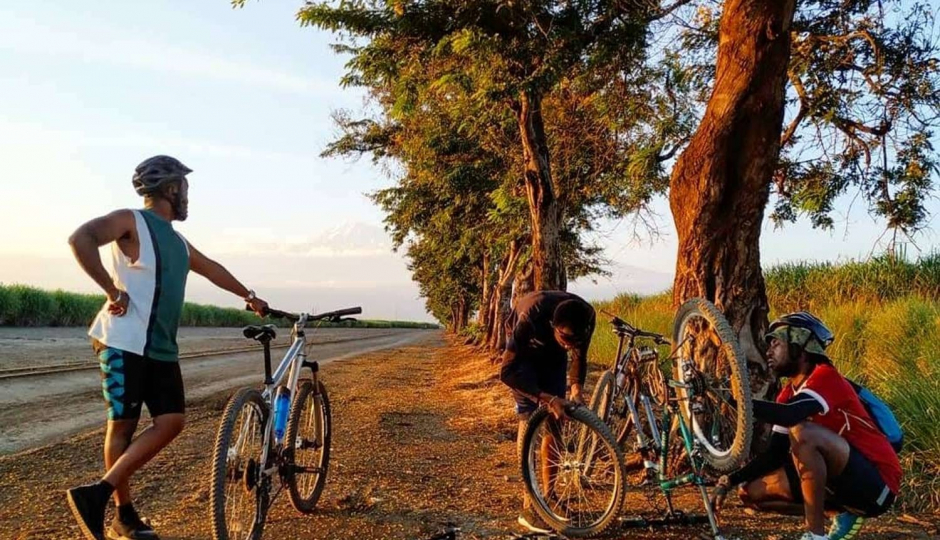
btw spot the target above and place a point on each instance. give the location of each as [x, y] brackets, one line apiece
[156, 171]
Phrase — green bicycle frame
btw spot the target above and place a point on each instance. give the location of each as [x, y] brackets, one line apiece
[665, 482]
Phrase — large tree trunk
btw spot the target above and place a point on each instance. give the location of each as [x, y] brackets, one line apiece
[544, 209]
[721, 182]
[501, 296]
[483, 314]
[463, 312]
[523, 282]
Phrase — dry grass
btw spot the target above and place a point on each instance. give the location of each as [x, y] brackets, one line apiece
[475, 380]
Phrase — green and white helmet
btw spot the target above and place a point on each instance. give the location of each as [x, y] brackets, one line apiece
[154, 172]
[802, 329]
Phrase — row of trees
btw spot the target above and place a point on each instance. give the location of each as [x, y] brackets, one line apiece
[511, 126]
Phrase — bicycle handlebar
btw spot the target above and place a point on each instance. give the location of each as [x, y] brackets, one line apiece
[294, 317]
[627, 328]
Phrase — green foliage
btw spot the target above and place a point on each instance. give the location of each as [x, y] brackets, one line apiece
[448, 77]
[22, 305]
[863, 103]
[27, 306]
[807, 285]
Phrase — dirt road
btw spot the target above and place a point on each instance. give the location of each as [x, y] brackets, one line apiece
[45, 346]
[423, 439]
[41, 409]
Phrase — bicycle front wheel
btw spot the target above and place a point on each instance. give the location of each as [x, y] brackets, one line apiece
[238, 494]
[308, 439]
[573, 499]
[712, 368]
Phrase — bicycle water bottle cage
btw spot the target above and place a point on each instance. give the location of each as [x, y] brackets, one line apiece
[260, 333]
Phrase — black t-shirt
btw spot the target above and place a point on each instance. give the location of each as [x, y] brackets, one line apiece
[531, 337]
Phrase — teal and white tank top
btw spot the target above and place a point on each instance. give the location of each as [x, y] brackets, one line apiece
[156, 283]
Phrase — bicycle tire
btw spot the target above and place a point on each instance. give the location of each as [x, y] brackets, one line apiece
[587, 418]
[217, 496]
[600, 398]
[322, 418]
[721, 461]
[600, 405]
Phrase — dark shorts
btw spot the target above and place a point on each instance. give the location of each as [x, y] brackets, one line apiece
[129, 380]
[551, 379]
[859, 489]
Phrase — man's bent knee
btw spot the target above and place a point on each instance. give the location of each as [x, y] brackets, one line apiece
[805, 435]
[121, 430]
[172, 424]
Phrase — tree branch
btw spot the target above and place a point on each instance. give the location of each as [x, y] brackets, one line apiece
[668, 155]
[668, 10]
[800, 114]
[846, 124]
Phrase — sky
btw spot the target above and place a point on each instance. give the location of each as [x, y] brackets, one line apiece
[244, 98]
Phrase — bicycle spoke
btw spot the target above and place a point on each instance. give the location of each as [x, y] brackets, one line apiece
[576, 481]
[239, 514]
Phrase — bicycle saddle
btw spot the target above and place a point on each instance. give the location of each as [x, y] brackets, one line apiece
[260, 333]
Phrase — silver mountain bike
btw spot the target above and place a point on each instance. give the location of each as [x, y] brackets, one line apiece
[280, 432]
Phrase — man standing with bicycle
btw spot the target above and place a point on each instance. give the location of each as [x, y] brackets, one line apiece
[134, 335]
[542, 330]
[826, 451]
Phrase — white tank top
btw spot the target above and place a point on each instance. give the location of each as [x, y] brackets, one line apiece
[155, 283]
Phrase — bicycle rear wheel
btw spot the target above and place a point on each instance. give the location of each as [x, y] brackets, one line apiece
[308, 440]
[238, 493]
[712, 368]
[573, 501]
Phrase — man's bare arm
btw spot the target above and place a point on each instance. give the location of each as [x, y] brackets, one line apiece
[86, 240]
[221, 277]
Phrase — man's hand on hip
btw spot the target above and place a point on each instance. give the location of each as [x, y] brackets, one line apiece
[118, 302]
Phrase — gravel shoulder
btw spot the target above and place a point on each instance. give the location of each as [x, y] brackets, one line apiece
[423, 440]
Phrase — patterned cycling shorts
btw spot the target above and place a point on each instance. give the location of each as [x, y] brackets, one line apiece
[129, 381]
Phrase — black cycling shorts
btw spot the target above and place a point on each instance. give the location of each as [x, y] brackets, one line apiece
[859, 489]
[129, 380]
[550, 377]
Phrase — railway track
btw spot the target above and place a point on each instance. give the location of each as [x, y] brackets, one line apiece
[63, 367]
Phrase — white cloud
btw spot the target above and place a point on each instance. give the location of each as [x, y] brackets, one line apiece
[25, 36]
[40, 139]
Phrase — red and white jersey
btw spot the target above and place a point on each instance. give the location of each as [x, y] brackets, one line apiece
[844, 414]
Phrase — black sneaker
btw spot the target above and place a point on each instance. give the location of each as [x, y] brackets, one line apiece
[132, 528]
[531, 521]
[88, 504]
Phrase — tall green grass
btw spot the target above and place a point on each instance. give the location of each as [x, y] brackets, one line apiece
[22, 305]
[808, 285]
[886, 318]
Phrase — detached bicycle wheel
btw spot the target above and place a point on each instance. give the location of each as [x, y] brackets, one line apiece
[238, 494]
[574, 500]
[712, 368]
[308, 439]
